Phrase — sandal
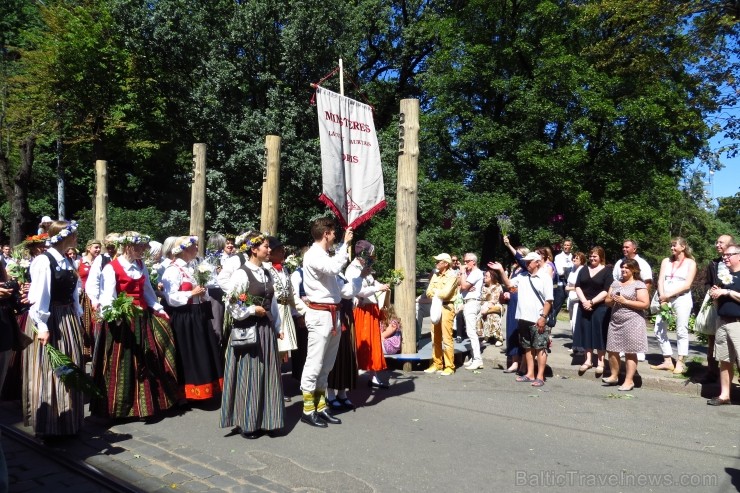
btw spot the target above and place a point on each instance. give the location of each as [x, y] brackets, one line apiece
[599, 371]
[584, 368]
[538, 383]
[524, 378]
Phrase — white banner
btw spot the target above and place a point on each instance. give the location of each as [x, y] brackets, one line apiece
[350, 158]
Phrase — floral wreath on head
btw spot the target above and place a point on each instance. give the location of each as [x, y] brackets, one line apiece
[256, 241]
[41, 238]
[71, 228]
[178, 249]
[132, 240]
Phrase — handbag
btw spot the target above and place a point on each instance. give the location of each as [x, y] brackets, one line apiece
[243, 337]
[551, 319]
[655, 303]
[706, 319]
[435, 311]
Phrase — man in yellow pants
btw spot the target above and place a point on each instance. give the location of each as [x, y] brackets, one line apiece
[443, 285]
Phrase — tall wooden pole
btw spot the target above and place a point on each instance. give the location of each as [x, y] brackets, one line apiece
[198, 197]
[406, 196]
[101, 199]
[271, 185]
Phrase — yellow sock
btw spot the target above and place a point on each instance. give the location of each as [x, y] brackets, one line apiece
[319, 396]
[308, 404]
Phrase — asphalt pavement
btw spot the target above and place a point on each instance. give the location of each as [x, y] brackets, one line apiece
[472, 431]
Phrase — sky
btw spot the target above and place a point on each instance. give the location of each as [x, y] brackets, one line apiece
[726, 182]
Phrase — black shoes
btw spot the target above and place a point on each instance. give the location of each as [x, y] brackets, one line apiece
[328, 417]
[253, 435]
[313, 420]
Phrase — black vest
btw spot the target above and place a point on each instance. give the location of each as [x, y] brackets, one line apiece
[63, 282]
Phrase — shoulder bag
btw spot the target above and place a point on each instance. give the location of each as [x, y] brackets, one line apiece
[551, 318]
[243, 337]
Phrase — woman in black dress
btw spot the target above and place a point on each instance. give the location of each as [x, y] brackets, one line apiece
[592, 321]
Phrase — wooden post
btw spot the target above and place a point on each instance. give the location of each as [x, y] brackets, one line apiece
[271, 185]
[101, 199]
[406, 196]
[198, 197]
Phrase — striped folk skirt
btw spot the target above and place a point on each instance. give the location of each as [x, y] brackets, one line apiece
[135, 367]
[89, 326]
[252, 399]
[48, 406]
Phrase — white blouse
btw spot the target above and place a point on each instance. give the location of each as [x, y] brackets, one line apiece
[40, 292]
[240, 283]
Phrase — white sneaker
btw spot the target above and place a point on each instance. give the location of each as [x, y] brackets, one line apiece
[475, 365]
[498, 344]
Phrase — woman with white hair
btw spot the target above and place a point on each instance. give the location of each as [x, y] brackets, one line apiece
[135, 363]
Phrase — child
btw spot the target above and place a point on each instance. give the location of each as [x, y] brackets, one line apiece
[390, 331]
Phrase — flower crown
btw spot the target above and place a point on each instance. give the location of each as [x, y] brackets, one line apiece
[37, 238]
[176, 250]
[254, 242]
[71, 228]
[133, 240]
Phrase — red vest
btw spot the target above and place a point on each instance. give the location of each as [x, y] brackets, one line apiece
[134, 288]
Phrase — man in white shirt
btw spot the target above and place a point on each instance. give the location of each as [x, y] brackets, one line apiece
[320, 283]
[533, 307]
[563, 266]
[471, 286]
[629, 250]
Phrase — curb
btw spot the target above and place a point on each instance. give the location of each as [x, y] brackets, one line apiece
[665, 384]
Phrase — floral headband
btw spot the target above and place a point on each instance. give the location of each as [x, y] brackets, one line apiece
[71, 228]
[133, 240]
[254, 242]
[176, 250]
[42, 238]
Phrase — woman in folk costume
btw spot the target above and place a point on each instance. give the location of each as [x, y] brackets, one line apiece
[92, 250]
[51, 408]
[135, 359]
[252, 399]
[199, 365]
[367, 313]
[284, 295]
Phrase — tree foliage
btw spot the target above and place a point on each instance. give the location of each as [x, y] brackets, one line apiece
[577, 119]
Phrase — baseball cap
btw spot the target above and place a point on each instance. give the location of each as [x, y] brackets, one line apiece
[444, 257]
[532, 256]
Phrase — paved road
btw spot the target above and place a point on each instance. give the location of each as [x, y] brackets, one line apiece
[472, 431]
